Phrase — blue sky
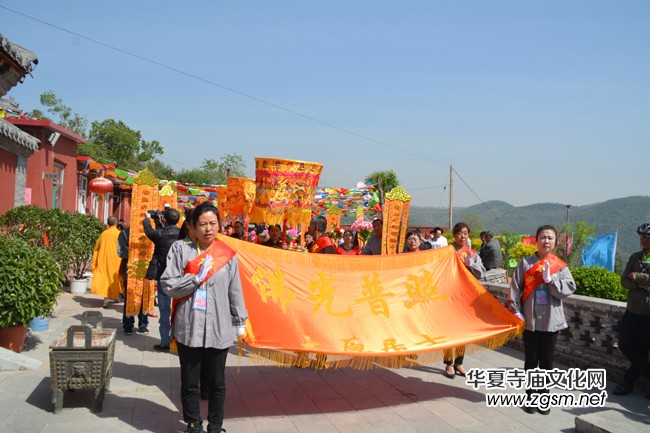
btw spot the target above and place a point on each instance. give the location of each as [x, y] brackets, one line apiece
[531, 101]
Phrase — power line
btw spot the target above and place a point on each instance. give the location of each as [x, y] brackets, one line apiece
[246, 95]
[496, 217]
[224, 87]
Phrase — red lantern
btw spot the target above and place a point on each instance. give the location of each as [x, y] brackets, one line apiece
[100, 185]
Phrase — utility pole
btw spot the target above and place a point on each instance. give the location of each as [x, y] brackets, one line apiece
[567, 213]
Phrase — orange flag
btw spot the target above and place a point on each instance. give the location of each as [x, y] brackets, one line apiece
[363, 311]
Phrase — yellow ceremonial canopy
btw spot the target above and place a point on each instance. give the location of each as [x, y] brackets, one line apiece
[285, 190]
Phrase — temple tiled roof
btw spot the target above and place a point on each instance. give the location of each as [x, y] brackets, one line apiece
[25, 58]
[16, 135]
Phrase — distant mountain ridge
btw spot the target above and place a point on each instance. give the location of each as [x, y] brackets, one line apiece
[622, 214]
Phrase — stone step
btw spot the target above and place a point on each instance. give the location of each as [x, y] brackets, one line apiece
[612, 421]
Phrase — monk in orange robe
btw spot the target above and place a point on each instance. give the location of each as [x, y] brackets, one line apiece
[107, 281]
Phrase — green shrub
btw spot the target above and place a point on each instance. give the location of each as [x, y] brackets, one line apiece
[520, 251]
[29, 282]
[598, 283]
[68, 237]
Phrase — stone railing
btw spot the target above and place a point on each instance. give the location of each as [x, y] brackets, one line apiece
[591, 340]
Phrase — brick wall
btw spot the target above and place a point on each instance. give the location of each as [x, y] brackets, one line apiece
[591, 340]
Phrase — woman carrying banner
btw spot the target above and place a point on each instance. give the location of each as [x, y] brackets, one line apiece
[350, 245]
[202, 277]
[539, 284]
[454, 357]
[413, 242]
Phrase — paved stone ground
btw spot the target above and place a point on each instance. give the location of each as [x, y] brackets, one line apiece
[144, 395]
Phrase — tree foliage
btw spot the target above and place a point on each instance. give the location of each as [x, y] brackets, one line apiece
[509, 240]
[64, 115]
[214, 172]
[578, 234]
[383, 182]
[112, 141]
[474, 221]
[160, 169]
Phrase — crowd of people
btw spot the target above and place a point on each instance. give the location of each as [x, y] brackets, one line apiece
[200, 294]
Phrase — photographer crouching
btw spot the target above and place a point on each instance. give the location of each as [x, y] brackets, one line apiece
[163, 236]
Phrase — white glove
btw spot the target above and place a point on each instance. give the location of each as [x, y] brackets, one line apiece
[241, 331]
[520, 316]
[468, 259]
[546, 272]
[205, 268]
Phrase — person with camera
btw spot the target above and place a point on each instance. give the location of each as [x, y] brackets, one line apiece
[163, 236]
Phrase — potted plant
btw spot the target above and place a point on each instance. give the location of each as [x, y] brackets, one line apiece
[79, 247]
[29, 286]
[68, 236]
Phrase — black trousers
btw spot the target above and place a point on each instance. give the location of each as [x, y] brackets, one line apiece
[539, 348]
[129, 322]
[454, 356]
[214, 361]
[634, 342]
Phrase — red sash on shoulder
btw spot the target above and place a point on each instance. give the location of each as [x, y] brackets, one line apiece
[465, 251]
[221, 255]
[321, 243]
[353, 252]
[533, 277]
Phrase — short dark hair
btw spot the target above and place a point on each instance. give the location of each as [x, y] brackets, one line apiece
[459, 226]
[171, 216]
[413, 233]
[204, 208]
[546, 227]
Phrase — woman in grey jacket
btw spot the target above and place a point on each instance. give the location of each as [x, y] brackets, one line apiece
[202, 278]
[538, 285]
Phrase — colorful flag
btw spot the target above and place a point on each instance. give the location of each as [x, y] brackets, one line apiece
[528, 240]
[601, 251]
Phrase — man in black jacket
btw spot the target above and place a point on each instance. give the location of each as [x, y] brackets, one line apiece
[634, 337]
[162, 238]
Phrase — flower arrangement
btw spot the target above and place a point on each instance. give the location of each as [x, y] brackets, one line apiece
[292, 234]
[336, 233]
[363, 229]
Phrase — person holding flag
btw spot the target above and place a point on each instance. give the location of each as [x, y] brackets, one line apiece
[538, 286]
[202, 278]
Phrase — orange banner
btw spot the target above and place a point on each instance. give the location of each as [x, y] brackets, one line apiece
[140, 292]
[362, 311]
[240, 196]
[285, 190]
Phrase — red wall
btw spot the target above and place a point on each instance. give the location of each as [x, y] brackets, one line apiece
[8, 162]
[64, 153]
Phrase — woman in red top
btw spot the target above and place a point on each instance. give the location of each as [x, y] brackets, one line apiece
[350, 245]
